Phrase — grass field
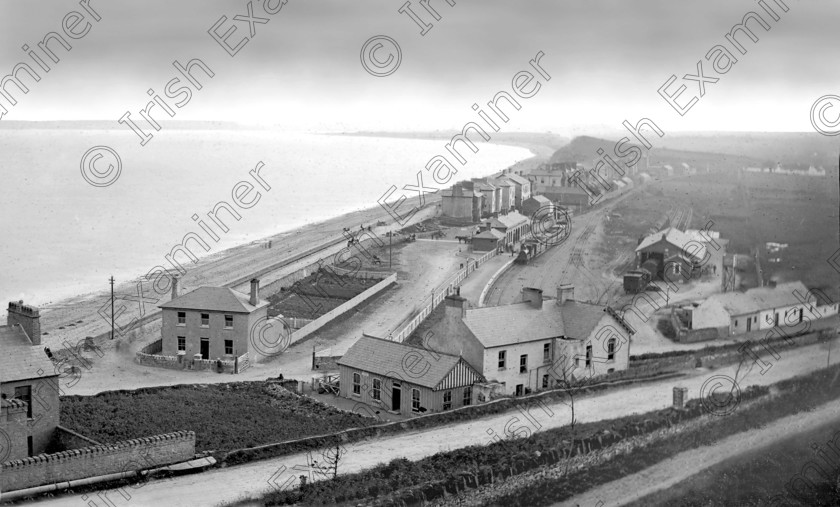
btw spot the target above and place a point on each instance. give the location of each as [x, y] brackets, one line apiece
[224, 417]
[316, 295]
[753, 478]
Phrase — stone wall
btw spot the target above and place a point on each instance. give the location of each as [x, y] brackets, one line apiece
[129, 455]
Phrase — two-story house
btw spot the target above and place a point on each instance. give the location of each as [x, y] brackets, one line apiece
[213, 322]
[537, 343]
[29, 388]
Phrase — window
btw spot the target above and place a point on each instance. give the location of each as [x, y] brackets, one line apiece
[30, 447]
[229, 347]
[182, 343]
[205, 319]
[376, 393]
[545, 381]
[468, 396]
[547, 353]
[415, 400]
[447, 400]
[228, 321]
[736, 322]
[588, 356]
[501, 359]
[182, 318]
[24, 394]
[577, 362]
[611, 349]
[523, 363]
[357, 383]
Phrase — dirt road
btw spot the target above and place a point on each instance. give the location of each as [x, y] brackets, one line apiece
[229, 484]
[672, 471]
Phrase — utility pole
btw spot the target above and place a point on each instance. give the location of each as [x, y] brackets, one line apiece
[390, 242]
[112, 306]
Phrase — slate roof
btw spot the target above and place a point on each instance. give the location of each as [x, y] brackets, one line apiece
[761, 298]
[675, 237]
[214, 299]
[491, 234]
[500, 326]
[516, 179]
[386, 358]
[19, 359]
[540, 199]
[512, 219]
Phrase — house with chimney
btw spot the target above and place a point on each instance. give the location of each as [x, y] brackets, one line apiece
[538, 343]
[29, 387]
[522, 188]
[462, 203]
[211, 324]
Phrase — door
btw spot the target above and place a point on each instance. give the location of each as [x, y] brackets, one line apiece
[396, 393]
[749, 324]
[205, 348]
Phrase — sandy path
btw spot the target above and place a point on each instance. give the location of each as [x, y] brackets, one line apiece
[229, 484]
[670, 472]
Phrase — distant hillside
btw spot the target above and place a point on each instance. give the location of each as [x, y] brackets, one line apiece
[541, 143]
[584, 149]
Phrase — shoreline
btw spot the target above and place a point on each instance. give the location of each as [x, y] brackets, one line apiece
[79, 313]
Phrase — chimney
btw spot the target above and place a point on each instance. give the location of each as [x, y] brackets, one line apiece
[456, 306]
[565, 292]
[489, 226]
[533, 296]
[255, 292]
[175, 288]
[29, 319]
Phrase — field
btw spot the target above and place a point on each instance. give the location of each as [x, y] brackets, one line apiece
[750, 211]
[751, 479]
[316, 295]
[224, 417]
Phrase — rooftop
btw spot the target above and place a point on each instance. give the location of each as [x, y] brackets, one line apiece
[19, 359]
[215, 299]
[516, 178]
[677, 238]
[499, 326]
[761, 298]
[490, 234]
[390, 359]
[512, 219]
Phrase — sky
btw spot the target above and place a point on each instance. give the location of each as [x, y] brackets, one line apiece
[302, 69]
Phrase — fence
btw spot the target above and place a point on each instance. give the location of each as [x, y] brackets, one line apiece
[404, 329]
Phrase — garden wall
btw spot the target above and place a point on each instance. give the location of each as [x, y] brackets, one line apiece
[325, 319]
[150, 356]
[129, 455]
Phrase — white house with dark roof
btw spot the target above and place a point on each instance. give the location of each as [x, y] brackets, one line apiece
[537, 343]
[400, 378]
[213, 322]
[29, 387]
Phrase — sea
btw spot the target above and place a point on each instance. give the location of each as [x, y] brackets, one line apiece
[63, 236]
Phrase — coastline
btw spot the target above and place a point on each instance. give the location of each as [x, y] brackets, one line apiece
[78, 314]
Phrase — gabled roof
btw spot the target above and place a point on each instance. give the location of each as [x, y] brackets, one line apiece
[214, 299]
[760, 298]
[483, 186]
[499, 326]
[389, 359]
[677, 238]
[502, 182]
[540, 199]
[489, 234]
[516, 179]
[19, 359]
[507, 221]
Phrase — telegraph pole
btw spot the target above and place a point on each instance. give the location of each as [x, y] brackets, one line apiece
[112, 306]
[390, 241]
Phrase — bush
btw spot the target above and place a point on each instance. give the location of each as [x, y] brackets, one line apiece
[666, 327]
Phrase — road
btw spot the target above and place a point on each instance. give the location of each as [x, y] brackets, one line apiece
[672, 471]
[564, 263]
[230, 484]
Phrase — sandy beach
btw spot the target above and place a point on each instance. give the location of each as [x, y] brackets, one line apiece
[69, 321]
